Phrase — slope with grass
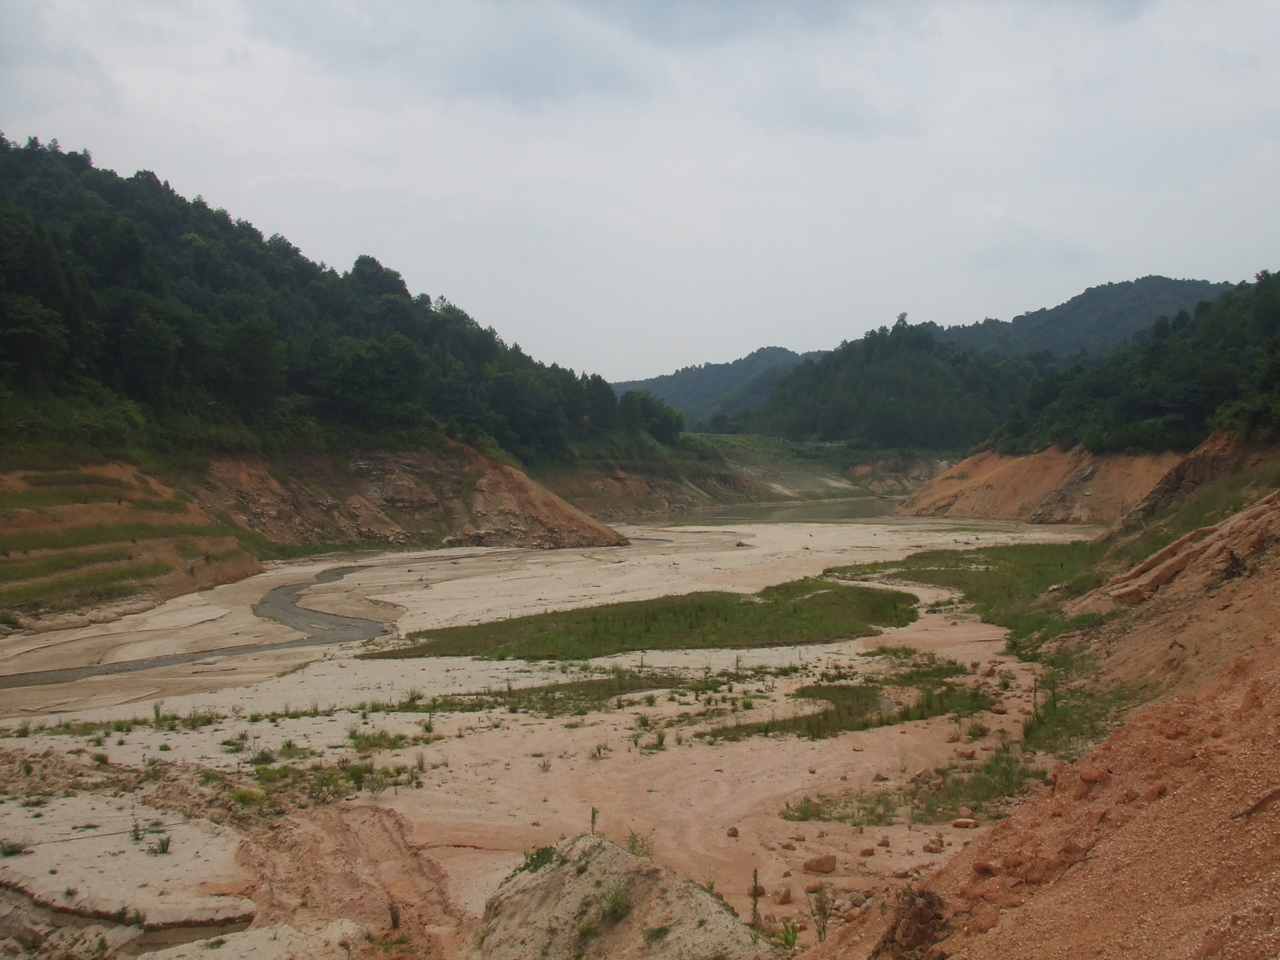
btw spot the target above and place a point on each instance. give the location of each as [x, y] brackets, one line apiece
[75, 539]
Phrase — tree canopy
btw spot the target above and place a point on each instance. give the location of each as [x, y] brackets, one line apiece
[129, 314]
[1170, 387]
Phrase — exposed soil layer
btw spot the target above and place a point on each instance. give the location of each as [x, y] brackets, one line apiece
[94, 544]
[1053, 486]
[1160, 844]
[453, 494]
[1221, 455]
[1200, 603]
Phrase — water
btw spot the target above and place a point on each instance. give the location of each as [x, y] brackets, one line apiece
[821, 511]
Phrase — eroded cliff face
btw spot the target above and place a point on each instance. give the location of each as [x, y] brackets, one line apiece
[104, 540]
[449, 495]
[1052, 486]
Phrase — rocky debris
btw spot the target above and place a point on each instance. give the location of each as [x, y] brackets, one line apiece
[1222, 551]
[732, 832]
[595, 900]
[1052, 486]
[782, 894]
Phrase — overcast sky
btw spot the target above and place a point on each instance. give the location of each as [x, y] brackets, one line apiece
[630, 186]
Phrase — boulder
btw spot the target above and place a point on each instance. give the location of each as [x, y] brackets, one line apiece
[823, 864]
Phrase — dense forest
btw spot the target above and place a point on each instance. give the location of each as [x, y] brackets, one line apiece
[1174, 383]
[132, 317]
[703, 389]
[898, 387]
[1093, 322]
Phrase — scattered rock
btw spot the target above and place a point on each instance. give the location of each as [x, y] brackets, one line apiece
[823, 864]
[867, 852]
[879, 777]
[813, 886]
[732, 831]
[882, 842]
[782, 894]
[964, 823]
[813, 769]
[966, 754]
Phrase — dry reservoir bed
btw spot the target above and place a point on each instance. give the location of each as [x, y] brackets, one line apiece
[484, 787]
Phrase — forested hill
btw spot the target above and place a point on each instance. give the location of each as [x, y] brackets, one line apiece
[702, 390]
[130, 316]
[1095, 321]
[1179, 379]
[898, 387]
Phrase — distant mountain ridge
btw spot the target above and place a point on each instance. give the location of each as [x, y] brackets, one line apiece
[1098, 320]
[703, 390]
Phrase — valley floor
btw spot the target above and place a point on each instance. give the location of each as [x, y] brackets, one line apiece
[495, 785]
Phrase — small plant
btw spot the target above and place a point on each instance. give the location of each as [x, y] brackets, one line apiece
[748, 703]
[135, 833]
[215, 943]
[164, 748]
[237, 743]
[594, 814]
[789, 935]
[377, 784]
[161, 846]
[755, 898]
[262, 758]
[12, 848]
[650, 700]
[545, 764]
[640, 844]
[821, 907]
[393, 909]
[100, 759]
[539, 858]
[615, 905]
[420, 762]
[656, 934]
[70, 893]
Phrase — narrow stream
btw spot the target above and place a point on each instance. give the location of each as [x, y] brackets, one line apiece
[280, 604]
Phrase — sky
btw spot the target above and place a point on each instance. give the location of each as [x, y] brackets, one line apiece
[631, 186]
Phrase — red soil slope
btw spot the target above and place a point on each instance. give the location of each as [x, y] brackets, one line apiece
[1052, 486]
[1164, 842]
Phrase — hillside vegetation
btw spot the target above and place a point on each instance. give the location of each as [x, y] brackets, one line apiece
[704, 390]
[1168, 389]
[133, 318]
[898, 387]
[1094, 322]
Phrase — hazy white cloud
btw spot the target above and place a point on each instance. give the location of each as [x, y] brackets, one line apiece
[630, 186]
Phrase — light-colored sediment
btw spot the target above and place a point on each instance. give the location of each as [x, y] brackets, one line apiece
[486, 798]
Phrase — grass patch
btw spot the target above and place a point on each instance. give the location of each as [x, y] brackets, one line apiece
[875, 808]
[802, 611]
[857, 707]
[1068, 721]
[368, 741]
[108, 533]
[1003, 774]
[1005, 584]
[71, 478]
[535, 861]
[45, 566]
[93, 584]
[160, 506]
[57, 497]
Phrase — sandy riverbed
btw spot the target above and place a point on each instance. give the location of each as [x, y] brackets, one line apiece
[485, 797]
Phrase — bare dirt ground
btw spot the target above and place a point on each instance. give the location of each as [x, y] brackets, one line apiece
[1052, 486]
[496, 785]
